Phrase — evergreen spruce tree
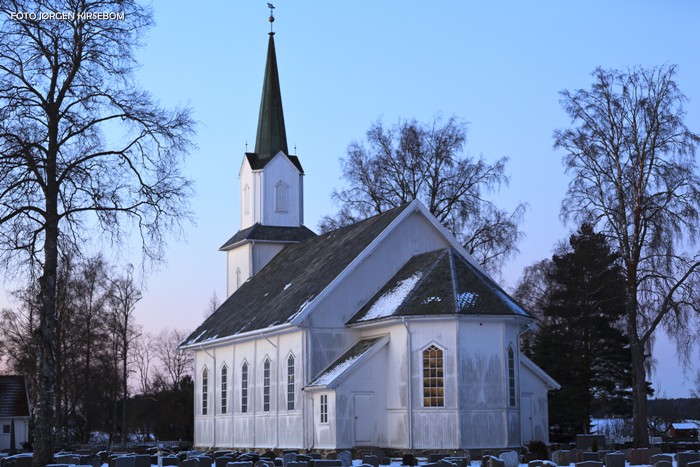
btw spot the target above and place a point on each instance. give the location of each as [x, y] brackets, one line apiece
[581, 342]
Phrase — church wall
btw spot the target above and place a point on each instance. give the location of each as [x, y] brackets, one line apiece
[534, 403]
[21, 432]
[435, 427]
[280, 170]
[251, 186]
[413, 236]
[238, 267]
[486, 420]
[263, 253]
[367, 382]
[276, 428]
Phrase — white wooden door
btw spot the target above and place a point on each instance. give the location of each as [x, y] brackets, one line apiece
[526, 429]
[363, 419]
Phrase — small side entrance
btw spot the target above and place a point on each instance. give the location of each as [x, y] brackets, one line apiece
[362, 409]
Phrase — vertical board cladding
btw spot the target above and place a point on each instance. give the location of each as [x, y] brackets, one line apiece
[435, 426]
[325, 436]
[279, 426]
[263, 253]
[534, 391]
[483, 410]
[367, 378]
[328, 345]
[238, 267]
[397, 388]
[281, 170]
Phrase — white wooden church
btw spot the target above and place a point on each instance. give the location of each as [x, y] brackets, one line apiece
[382, 333]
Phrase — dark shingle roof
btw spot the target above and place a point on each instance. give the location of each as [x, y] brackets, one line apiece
[344, 362]
[291, 280]
[270, 233]
[438, 283]
[257, 162]
[13, 397]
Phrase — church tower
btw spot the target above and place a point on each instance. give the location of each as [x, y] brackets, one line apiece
[271, 189]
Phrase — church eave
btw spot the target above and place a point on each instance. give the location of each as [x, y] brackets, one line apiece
[241, 337]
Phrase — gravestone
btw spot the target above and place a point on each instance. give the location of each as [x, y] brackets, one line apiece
[289, 457]
[170, 460]
[685, 457]
[345, 458]
[663, 464]
[221, 461]
[263, 463]
[70, 459]
[436, 456]
[460, 461]
[590, 456]
[298, 464]
[693, 464]
[639, 456]
[240, 464]
[537, 463]
[561, 457]
[142, 460]
[496, 462]
[125, 461]
[371, 460]
[510, 459]
[615, 459]
[385, 461]
[589, 464]
[660, 457]
[269, 455]
[326, 463]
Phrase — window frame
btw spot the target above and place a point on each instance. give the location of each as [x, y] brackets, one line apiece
[244, 386]
[205, 391]
[281, 197]
[224, 389]
[323, 412]
[266, 384]
[291, 383]
[433, 371]
[512, 398]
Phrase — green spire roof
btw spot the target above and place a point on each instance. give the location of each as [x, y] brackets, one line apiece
[272, 136]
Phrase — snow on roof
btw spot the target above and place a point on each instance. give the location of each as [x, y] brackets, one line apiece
[342, 364]
[684, 426]
[387, 304]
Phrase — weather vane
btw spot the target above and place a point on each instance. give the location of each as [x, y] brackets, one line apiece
[271, 19]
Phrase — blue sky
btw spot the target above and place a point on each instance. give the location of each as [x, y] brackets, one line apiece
[343, 64]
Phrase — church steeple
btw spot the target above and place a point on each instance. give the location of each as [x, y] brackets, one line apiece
[271, 137]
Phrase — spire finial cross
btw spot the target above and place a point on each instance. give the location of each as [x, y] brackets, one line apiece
[271, 19]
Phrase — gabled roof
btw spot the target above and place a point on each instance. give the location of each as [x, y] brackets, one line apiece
[539, 372]
[270, 233]
[13, 397]
[291, 280]
[439, 282]
[272, 136]
[336, 371]
[257, 162]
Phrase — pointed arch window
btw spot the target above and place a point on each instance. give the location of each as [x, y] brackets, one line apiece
[290, 382]
[246, 200]
[205, 390]
[266, 385]
[238, 278]
[433, 377]
[511, 377]
[244, 387]
[224, 389]
[281, 193]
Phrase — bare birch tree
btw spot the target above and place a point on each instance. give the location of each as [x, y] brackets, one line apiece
[81, 145]
[632, 162]
[412, 160]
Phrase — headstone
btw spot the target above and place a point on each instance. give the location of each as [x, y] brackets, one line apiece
[660, 457]
[664, 464]
[125, 461]
[589, 464]
[385, 461]
[263, 463]
[371, 460]
[326, 463]
[615, 459]
[170, 460]
[561, 457]
[303, 458]
[189, 462]
[221, 461]
[345, 458]
[590, 442]
[289, 457]
[269, 455]
[279, 462]
[654, 450]
[297, 464]
[436, 456]
[445, 463]
[537, 463]
[142, 460]
[460, 461]
[639, 456]
[590, 456]
[496, 462]
[693, 464]
[685, 457]
[240, 464]
[510, 459]
[69, 459]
